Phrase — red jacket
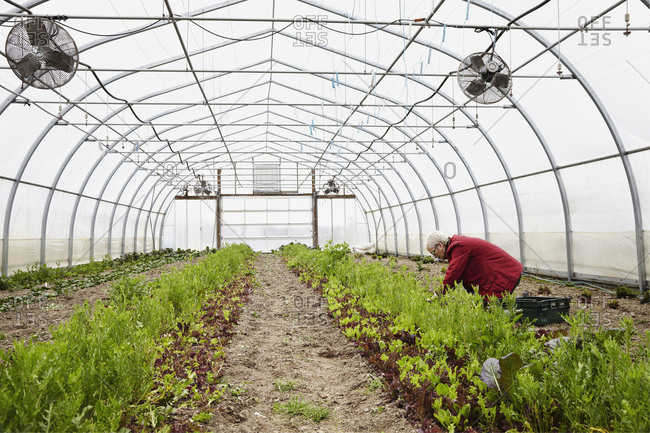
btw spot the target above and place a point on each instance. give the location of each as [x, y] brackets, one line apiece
[476, 262]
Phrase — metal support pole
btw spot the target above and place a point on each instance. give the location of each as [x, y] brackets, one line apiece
[218, 212]
[314, 208]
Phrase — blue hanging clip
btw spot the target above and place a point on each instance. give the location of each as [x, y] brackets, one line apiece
[430, 49]
[337, 79]
[333, 85]
[467, 13]
[444, 32]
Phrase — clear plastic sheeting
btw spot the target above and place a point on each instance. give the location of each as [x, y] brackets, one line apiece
[155, 140]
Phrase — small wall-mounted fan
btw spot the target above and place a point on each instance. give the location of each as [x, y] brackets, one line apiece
[330, 187]
[484, 77]
[202, 187]
[41, 53]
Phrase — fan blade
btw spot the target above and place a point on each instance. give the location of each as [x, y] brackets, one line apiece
[477, 63]
[36, 32]
[28, 65]
[501, 81]
[476, 87]
[58, 60]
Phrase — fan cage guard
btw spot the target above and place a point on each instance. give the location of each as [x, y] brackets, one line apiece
[467, 75]
[54, 37]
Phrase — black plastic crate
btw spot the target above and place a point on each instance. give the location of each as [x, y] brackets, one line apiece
[543, 310]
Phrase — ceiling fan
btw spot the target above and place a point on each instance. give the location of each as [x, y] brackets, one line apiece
[41, 53]
[484, 76]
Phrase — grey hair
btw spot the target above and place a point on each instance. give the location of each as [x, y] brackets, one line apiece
[436, 237]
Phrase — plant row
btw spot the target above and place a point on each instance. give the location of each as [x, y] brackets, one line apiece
[102, 366]
[45, 282]
[454, 363]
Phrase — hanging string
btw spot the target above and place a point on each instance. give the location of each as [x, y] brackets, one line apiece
[627, 19]
[107, 145]
[559, 49]
[453, 108]
[433, 130]
[510, 35]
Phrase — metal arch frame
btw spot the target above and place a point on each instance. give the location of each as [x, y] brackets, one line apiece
[307, 144]
[171, 194]
[408, 189]
[142, 183]
[118, 165]
[483, 132]
[135, 171]
[455, 148]
[73, 151]
[629, 172]
[462, 110]
[129, 74]
[171, 201]
[559, 180]
[72, 224]
[628, 180]
[183, 86]
[71, 154]
[415, 169]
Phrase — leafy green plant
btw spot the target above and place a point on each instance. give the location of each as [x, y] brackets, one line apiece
[432, 349]
[586, 294]
[101, 362]
[613, 304]
[625, 292]
[284, 385]
[127, 291]
[297, 407]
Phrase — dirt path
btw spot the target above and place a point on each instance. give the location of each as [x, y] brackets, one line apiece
[33, 319]
[288, 350]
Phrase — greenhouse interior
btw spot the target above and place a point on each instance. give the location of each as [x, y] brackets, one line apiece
[196, 124]
[325, 216]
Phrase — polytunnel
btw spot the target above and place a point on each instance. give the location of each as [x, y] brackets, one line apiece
[186, 124]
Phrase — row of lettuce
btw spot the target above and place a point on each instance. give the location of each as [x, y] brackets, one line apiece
[126, 362]
[44, 282]
[454, 363]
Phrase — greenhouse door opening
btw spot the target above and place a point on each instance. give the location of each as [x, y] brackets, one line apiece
[191, 224]
[266, 223]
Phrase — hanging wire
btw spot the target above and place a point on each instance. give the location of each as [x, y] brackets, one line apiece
[511, 84]
[559, 48]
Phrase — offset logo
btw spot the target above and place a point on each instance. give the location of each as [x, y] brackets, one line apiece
[595, 38]
[309, 31]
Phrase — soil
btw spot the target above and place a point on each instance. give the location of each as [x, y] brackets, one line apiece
[597, 306]
[32, 321]
[285, 337]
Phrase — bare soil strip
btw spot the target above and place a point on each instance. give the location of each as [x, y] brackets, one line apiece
[288, 350]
